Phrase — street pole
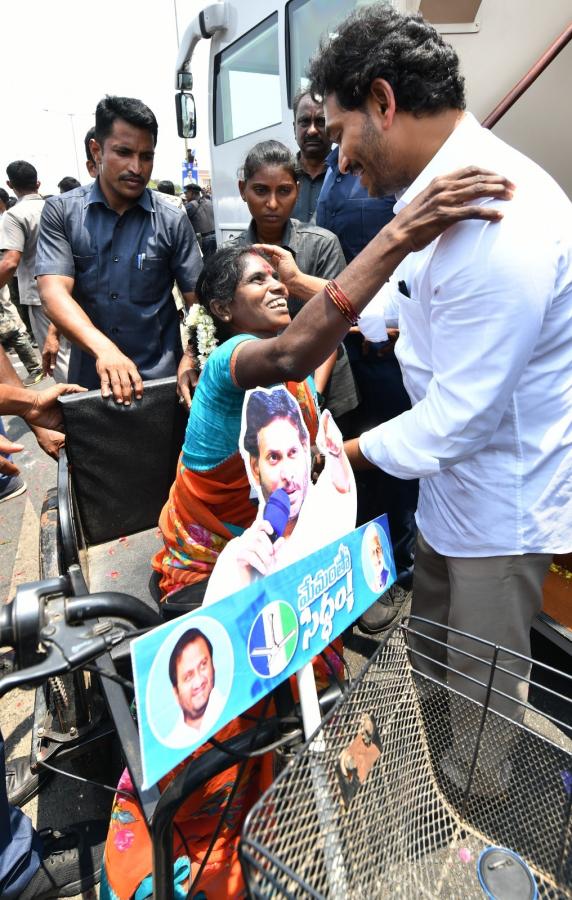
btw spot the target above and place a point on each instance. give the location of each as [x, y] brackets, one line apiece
[71, 115]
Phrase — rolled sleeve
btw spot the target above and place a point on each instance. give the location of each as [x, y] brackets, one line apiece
[12, 235]
[484, 324]
[382, 311]
[54, 253]
[186, 260]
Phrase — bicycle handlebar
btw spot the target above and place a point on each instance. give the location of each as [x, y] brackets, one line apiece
[53, 633]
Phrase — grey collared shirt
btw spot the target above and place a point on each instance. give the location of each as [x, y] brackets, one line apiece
[20, 227]
[123, 268]
[308, 192]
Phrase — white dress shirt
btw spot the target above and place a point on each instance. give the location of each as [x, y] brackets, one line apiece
[485, 348]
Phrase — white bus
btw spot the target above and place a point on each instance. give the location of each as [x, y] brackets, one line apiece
[258, 55]
[259, 52]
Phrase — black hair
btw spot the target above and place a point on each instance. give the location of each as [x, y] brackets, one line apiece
[220, 278]
[299, 96]
[166, 187]
[188, 637]
[22, 175]
[263, 407]
[405, 50]
[89, 135]
[68, 183]
[132, 111]
[4, 197]
[195, 188]
[268, 153]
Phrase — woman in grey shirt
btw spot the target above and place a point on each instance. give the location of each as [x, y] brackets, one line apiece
[268, 185]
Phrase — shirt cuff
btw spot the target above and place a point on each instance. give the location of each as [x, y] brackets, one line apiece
[372, 326]
[55, 269]
[372, 446]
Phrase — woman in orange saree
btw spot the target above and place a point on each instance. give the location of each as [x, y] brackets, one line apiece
[209, 504]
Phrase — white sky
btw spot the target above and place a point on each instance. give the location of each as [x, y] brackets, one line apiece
[65, 55]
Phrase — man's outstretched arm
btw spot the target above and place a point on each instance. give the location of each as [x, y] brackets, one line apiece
[38, 409]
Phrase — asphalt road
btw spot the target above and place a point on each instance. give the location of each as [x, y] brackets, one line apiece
[60, 802]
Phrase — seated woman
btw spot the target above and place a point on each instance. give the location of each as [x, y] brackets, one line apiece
[209, 502]
[269, 187]
[208, 505]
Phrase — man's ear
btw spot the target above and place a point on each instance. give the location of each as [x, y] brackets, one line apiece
[221, 310]
[382, 99]
[241, 188]
[96, 150]
[255, 468]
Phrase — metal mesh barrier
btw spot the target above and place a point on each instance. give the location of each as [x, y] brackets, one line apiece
[408, 780]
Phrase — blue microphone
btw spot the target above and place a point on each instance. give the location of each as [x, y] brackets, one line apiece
[277, 512]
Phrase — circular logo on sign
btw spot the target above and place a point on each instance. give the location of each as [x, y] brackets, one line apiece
[273, 639]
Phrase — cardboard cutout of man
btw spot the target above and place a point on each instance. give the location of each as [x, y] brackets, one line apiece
[275, 446]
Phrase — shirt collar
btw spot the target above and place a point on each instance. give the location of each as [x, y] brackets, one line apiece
[96, 195]
[301, 170]
[289, 238]
[29, 197]
[333, 157]
[450, 156]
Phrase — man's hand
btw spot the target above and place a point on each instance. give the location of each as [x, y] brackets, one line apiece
[255, 550]
[118, 375]
[331, 444]
[45, 412]
[443, 203]
[49, 440]
[282, 261]
[6, 446]
[50, 350]
[329, 439]
[187, 377]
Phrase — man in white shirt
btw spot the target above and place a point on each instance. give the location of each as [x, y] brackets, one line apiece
[485, 314]
[192, 674]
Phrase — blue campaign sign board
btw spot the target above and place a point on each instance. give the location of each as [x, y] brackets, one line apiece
[227, 656]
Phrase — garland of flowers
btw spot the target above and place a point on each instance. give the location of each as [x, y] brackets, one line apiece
[205, 332]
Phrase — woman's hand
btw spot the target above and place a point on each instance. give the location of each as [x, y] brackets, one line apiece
[282, 261]
[446, 201]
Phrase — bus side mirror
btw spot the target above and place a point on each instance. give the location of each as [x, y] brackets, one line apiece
[186, 115]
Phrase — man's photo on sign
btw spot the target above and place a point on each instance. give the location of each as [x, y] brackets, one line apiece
[189, 683]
